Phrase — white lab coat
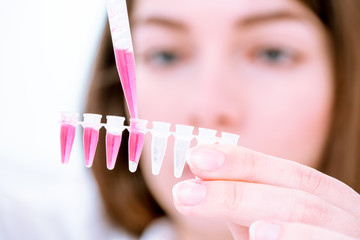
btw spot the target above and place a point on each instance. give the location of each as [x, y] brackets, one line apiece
[37, 206]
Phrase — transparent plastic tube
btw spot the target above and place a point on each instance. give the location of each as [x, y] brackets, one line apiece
[114, 129]
[183, 137]
[206, 136]
[138, 128]
[91, 126]
[160, 135]
[67, 134]
[229, 138]
[123, 49]
[136, 141]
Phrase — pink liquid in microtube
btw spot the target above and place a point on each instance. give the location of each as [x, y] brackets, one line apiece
[67, 136]
[91, 137]
[125, 62]
[112, 149]
[136, 143]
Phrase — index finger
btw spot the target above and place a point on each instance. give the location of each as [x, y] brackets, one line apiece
[226, 162]
[293, 231]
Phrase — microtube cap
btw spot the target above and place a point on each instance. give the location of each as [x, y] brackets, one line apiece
[115, 124]
[229, 138]
[161, 128]
[90, 118]
[115, 121]
[206, 136]
[68, 116]
[184, 131]
[138, 124]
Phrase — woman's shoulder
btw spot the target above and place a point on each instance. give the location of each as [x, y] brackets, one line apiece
[161, 228]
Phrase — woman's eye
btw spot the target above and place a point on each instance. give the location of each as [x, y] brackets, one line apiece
[162, 58]
[275, 56]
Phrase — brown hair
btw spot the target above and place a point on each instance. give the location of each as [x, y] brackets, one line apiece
[341, 155]
[127, 199]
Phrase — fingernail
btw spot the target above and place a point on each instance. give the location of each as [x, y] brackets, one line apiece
[206, 159]
[265, 230]
[189, 193]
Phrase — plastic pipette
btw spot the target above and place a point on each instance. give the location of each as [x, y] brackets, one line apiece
[125, 62]
[123, 49]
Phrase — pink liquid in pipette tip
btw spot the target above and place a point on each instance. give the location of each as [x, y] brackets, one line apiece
[125, 63]
[67, 136]
[136, 143]
[112, 149]
[91, 137]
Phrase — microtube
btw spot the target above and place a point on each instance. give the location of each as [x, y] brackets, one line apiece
[229, 138]
[91, 125]
[114, 128]
[137, 130]
[136, 141]
[160, 134]
[67, 134]
[206, 136]
[183, 136]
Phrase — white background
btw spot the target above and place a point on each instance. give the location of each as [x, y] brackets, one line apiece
[46, 52]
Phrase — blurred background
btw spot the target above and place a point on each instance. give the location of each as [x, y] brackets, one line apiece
[46, 52]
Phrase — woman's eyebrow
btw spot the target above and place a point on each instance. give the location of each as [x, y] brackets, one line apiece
[262, 18]
[248, 21]
[160, 21]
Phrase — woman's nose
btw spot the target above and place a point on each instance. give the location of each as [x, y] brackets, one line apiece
[216, 97]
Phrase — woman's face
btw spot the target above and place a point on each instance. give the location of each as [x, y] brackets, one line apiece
[260, 69]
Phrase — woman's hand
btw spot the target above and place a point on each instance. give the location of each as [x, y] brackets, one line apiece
[285, 199]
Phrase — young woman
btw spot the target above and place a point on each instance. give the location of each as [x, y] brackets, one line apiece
[284, 75]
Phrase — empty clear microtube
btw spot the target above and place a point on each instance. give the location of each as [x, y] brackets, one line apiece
[206, 136]
[67, 134]
[91, 124]
[160, 135]
[137, 130]
[183, 137]
[229, 138]
[136, 141]
[114, 129]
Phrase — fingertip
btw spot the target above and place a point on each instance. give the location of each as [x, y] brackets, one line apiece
[206, 158]
[189, 193]
[265, 230]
